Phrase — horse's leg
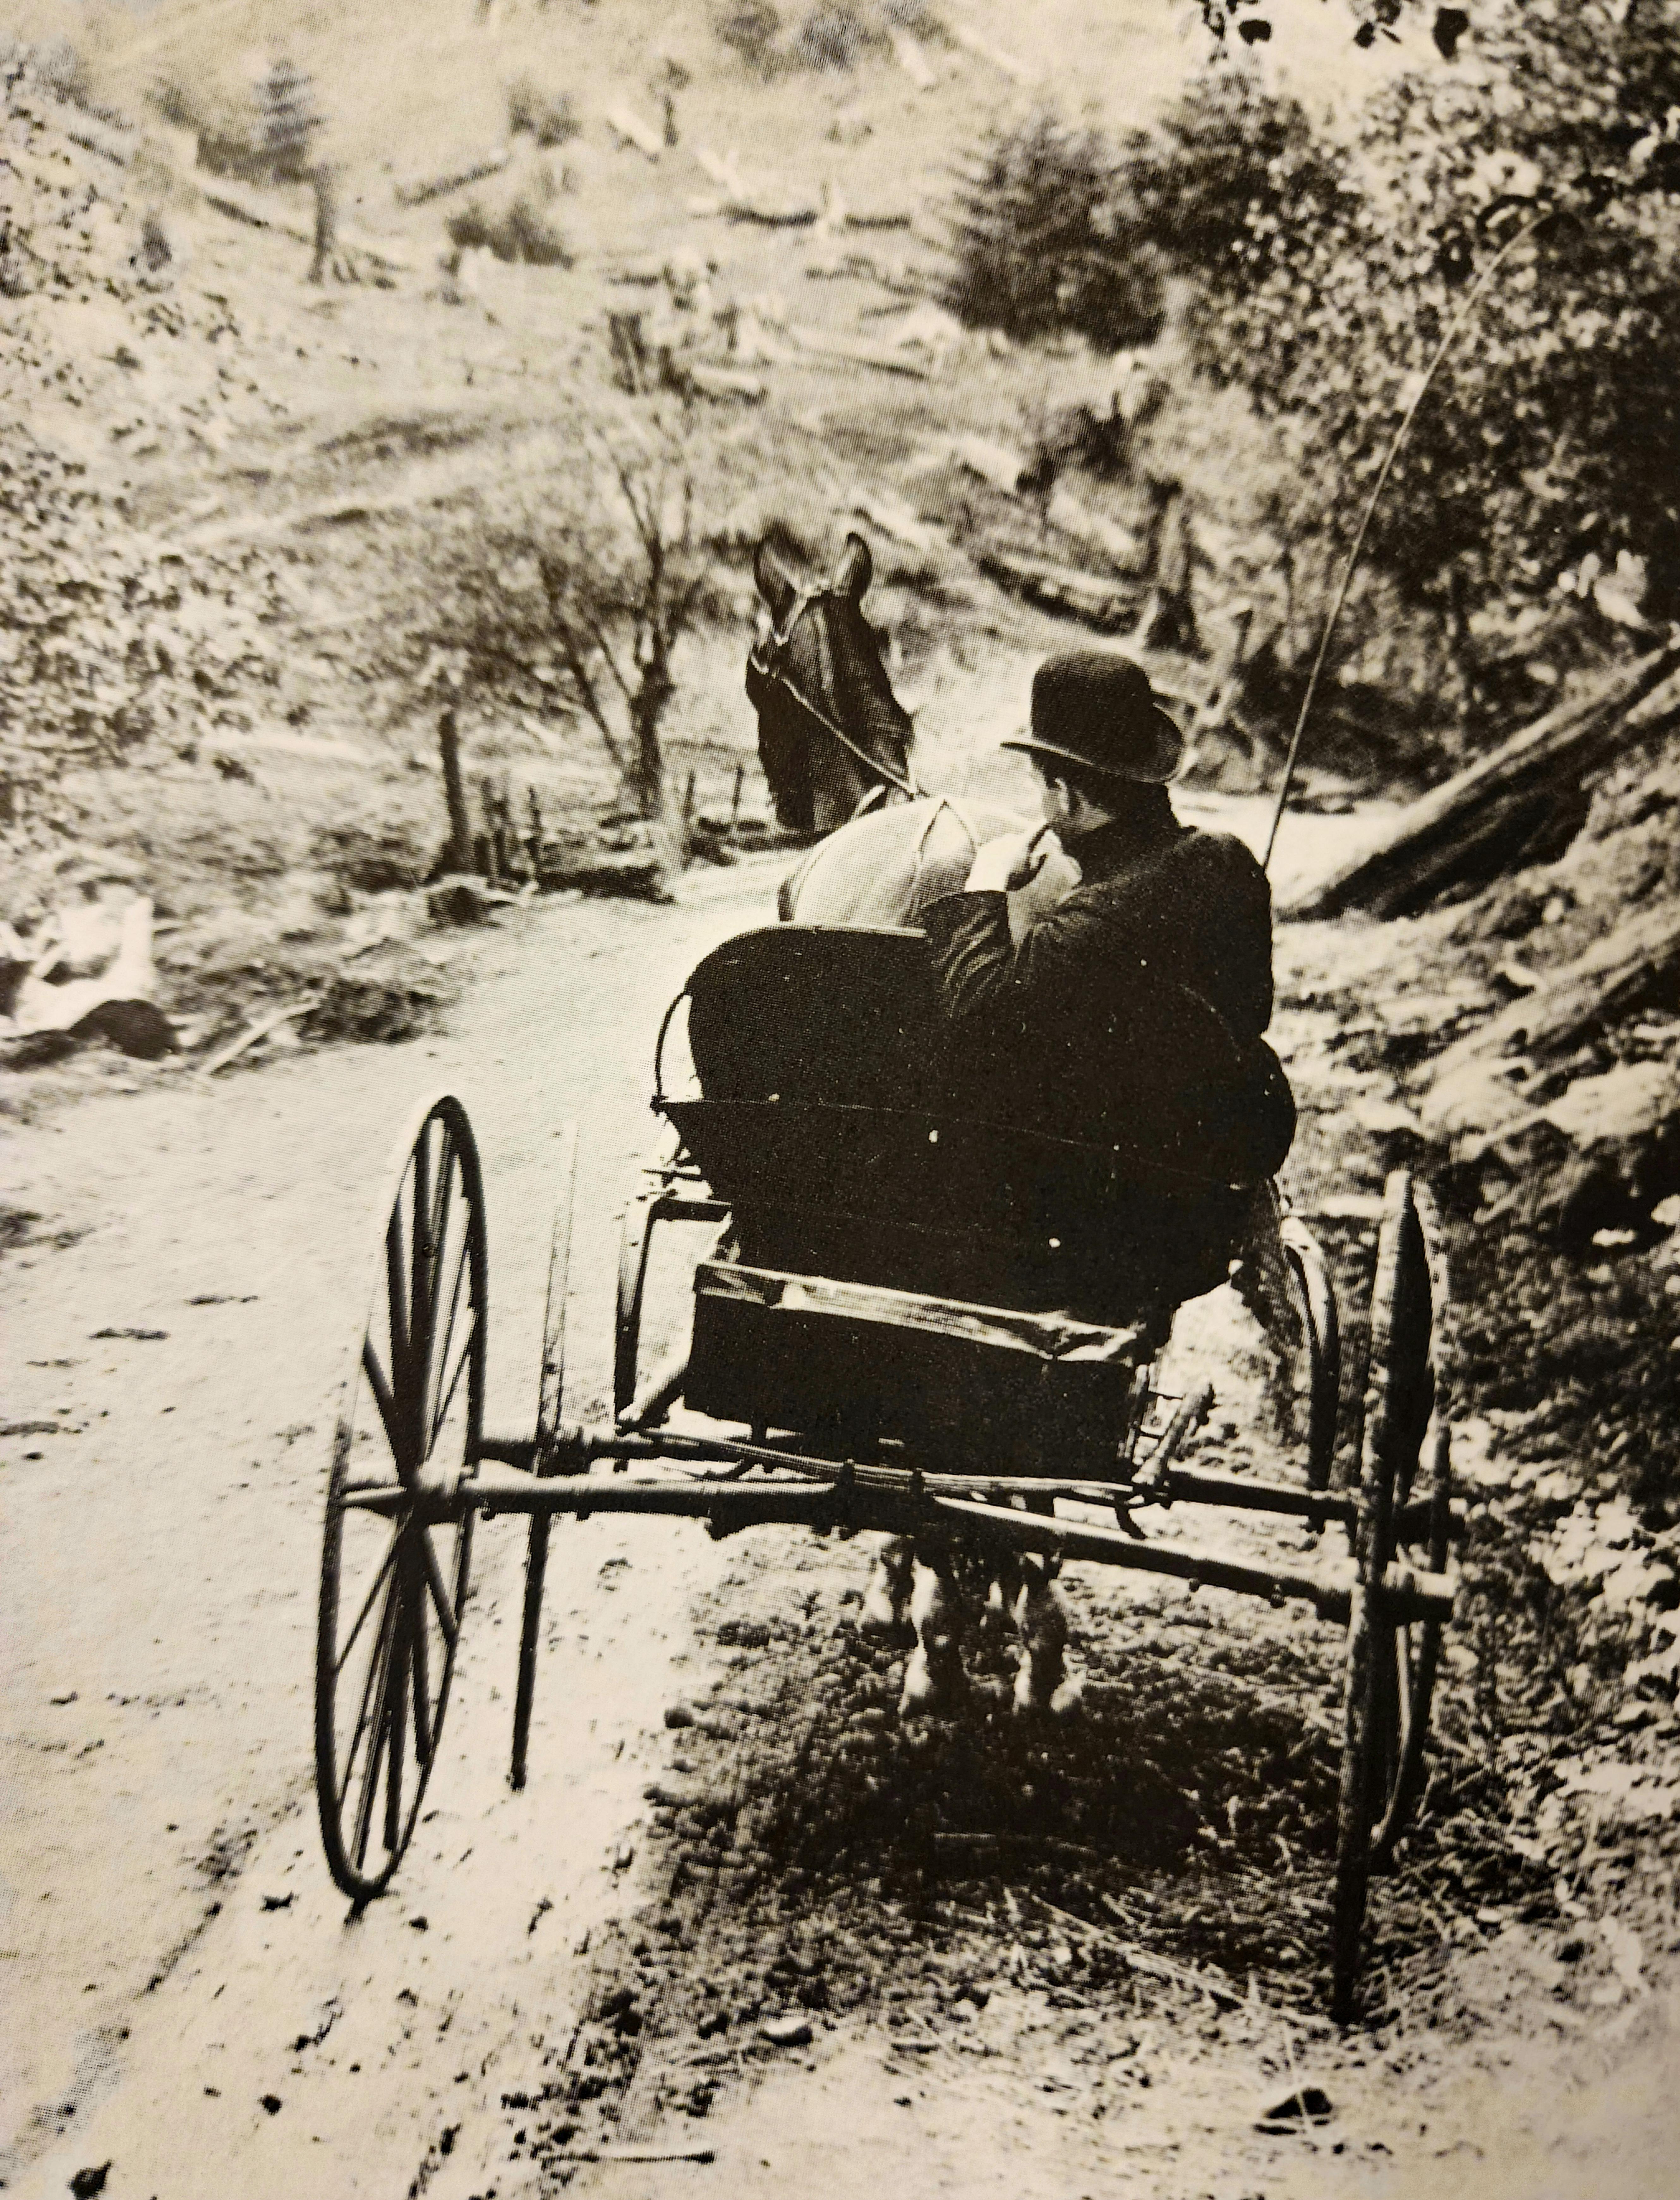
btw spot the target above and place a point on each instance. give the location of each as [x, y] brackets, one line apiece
[886, 1597]
[1043, 1682]
[1261, 1281]
[996, 1614]
[933, 1677]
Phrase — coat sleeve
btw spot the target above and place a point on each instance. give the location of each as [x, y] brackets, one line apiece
[984, 974]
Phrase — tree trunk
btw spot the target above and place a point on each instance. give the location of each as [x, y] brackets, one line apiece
[1489, 818]
[648, 765]
[460, 852]
[326, 222]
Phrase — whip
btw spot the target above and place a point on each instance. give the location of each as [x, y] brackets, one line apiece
[1472, 300]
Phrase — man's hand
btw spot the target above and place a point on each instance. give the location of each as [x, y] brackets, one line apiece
[1010, 861]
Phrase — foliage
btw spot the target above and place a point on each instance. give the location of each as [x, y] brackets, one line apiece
[835, 38]
[1547, 455]
[576, 602]
[524, 230]
[1046, 237]
[752, 30]
[1251, 20]
[285, 100]
[919, 17]
[1227, 162]
[550, 117]
[228, 129]
[107, 638]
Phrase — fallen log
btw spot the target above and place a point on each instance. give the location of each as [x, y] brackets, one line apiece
[242, 205]
[420, 189]
[1621, 972]
[1487, 818]
[856, 351]
[908, 54]
[1108, 603]
[724, 383]
[630, 129]
[996, 463]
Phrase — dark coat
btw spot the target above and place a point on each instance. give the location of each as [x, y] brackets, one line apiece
[1132, 1015]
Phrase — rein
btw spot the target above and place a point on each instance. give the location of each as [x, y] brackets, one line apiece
[768, 659]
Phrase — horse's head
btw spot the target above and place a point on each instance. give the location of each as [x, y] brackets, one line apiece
[831, 732]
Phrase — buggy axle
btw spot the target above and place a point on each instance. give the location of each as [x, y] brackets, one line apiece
[902, 1503]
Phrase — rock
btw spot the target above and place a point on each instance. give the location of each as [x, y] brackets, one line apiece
[678, 1715]
[1309, 2105]
[138, 1029]
[459, 901]
[86, 2182]
[785, 2032]
[1630, 1101]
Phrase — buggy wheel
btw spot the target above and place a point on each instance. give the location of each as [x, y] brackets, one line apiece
[1309, 1273]
[1402, 1503]
[396, 1549]
[551, 1387]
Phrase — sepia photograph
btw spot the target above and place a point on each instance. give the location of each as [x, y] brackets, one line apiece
[839, 1099]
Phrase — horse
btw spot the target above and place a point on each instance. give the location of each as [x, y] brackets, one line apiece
[835, 744]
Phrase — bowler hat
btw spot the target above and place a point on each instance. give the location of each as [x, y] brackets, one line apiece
[1094, 708]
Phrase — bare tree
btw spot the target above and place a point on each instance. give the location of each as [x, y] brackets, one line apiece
[575, 600]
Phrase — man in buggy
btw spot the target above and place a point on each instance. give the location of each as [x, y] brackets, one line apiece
[1127, 1016]
[1130, 1015]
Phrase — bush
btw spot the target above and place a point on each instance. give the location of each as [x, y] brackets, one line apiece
[1227, 165]
[1548, 450]
[373, 859]
[1047, 238]
[835, 38]
[752, 30]
[918, 17]
[550, 117]
[521, 231]
[229, 134]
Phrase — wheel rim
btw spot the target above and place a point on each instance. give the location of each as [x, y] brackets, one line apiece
[1410, 1668]
[1391, 1668]
[397, 1546]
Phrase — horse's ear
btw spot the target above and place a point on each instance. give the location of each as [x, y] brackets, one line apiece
[856, 569]
[775, 582]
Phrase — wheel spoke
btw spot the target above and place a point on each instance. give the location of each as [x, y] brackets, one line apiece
[448, 1399]
[397, 1297]
[375, 1664]
[380, 1733]
[440, 1592]
[440, 1217]
[420, 1259]
[383, 1400]
[439, 1355]
[433, 1354]
[422, 1696]
[396, 1721]
[367, 1606]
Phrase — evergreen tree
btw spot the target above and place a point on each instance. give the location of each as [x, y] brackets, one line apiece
[1046, 238]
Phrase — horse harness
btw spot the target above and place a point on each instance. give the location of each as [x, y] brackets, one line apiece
[768, 659]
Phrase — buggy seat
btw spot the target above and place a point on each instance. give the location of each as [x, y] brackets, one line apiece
[830, 1119]
[832, 1112]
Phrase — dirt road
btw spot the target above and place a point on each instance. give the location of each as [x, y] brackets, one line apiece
[167, 1910]
[185, 1996]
